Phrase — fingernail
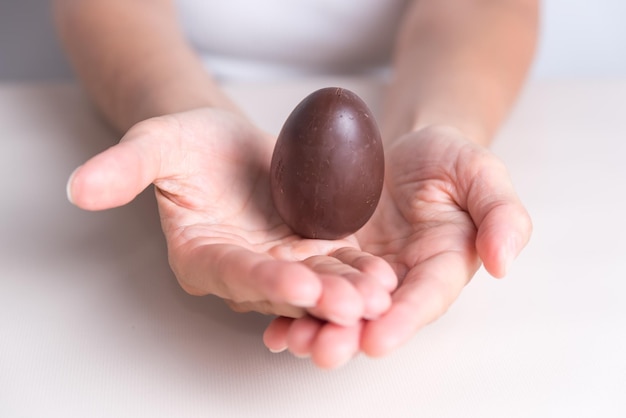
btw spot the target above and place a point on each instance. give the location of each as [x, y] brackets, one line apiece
[302, 356]
[68, 186]
[276, 351]
[304, 303]
[510, 253]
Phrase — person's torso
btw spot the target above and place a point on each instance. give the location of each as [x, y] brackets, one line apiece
[277, 38]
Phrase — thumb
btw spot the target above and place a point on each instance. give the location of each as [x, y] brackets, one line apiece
[504, 226]
[117, 175]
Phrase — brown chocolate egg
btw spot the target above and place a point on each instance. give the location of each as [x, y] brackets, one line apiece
[328, 167]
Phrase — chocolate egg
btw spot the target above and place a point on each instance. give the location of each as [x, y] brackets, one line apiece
[328, 168]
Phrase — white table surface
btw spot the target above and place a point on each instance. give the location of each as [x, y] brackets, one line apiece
[93, 323]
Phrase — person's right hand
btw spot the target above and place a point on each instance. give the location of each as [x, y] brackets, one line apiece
[211, 172]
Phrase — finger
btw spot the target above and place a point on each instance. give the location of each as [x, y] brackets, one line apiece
[266, 307]
[424, 295]
[340, 302]
[368, 264]
[348, 294]
[117, 175]
[503, 233]
[375, 280]
[301, 335]
[241, 275]
[275, 335]
[335, 345]
[504, 226]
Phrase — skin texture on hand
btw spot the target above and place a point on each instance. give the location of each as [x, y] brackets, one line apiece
[211, 172]
[448, 204]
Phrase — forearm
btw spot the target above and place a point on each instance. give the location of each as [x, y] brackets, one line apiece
[133, 59]
[460, 63]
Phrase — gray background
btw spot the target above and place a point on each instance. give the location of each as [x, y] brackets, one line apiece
[580, 38]
[29, 49]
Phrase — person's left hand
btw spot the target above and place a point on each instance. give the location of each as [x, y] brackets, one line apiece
[447, 205]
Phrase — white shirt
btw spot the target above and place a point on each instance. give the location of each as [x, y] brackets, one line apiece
[251, 39]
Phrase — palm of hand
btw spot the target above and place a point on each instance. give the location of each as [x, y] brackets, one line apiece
[210, 169]
[447, 204]
[424, 216]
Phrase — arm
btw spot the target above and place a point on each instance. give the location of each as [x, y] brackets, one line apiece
[133, 59]
[459, 67]
[460, 63]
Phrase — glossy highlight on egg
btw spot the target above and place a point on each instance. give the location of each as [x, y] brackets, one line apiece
[327, 169]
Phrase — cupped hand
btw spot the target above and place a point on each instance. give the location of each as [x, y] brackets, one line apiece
[447, 206]
[211, 172]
